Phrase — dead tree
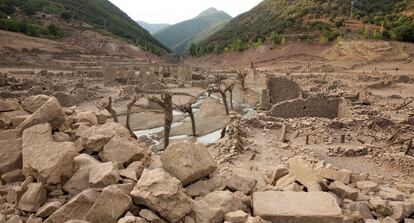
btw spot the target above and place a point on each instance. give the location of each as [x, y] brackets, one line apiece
[241, 75]
[107, 104]
[187, 108]
[165, 102]
[222, 91]
[229, 87]
[128, 115]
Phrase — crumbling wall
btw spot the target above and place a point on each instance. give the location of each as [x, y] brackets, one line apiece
[314, 106]
[282, 89]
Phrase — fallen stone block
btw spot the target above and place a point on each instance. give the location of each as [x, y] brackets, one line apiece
[51, 112]
[48, 209]
[33, 198]
[11, 155]
[133, 171]
[79, 181]
[44, 159]
[110, 205]
[123, 151]
[343, 191]
[64, 99]
[88, 117]
[9, 105]
[95, 138]
[367, 186]
[103, 175]
[188, 162]
[297, 207]
[162, 193]
[33, 103]
[241, 183]
[304, 173]
[213, 207]
[236, 217]
[76, 208]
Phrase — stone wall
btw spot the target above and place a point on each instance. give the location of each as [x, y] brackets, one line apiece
[314, 106]
[282, 89]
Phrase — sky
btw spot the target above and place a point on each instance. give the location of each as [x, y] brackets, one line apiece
[174, 11]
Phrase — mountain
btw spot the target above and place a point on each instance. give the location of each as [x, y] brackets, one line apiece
[152, 28]
[311, 20]
[56, 18]
[174, 36]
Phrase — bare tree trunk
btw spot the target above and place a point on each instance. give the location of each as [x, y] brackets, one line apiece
[128, 117]
[168, 116]
[224, 97]
[231, 98]
[193, 125]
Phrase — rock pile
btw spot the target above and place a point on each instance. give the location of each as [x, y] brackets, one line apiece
[56, 168]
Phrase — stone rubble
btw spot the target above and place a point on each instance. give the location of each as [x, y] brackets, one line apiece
[58, 166]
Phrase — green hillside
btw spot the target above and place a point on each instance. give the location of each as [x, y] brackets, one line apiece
[174, 35]
[102, 15]
[184, 46]
[152, 28]
[323, 20]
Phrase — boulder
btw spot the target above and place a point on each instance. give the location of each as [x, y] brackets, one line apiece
[13, 176]
[79, 181]
[150, 216]
[95, 138]
[76, 208]
[188, 161]
[87, 116]
[367, 186]
[343, 176]
[11, 155]
[44, 159]
[132, 219]
[304, 173]
[133, 171]
[241, 183]
[64, 99]
[61, 137]
[279, 172]
[124, 151]
[33, 103]
[390, 194]
[33, 198]
[110, 205]
[380, 206]
[284, 182]
[162, 193]
[343, 191]
[213, 207]
[9, 105]
[103, 175]
[361, 207]
[297, 207]
[48, 209]
[50, 112]
[236, 217]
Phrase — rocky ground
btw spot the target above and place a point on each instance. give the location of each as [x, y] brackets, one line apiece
[310, 146]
